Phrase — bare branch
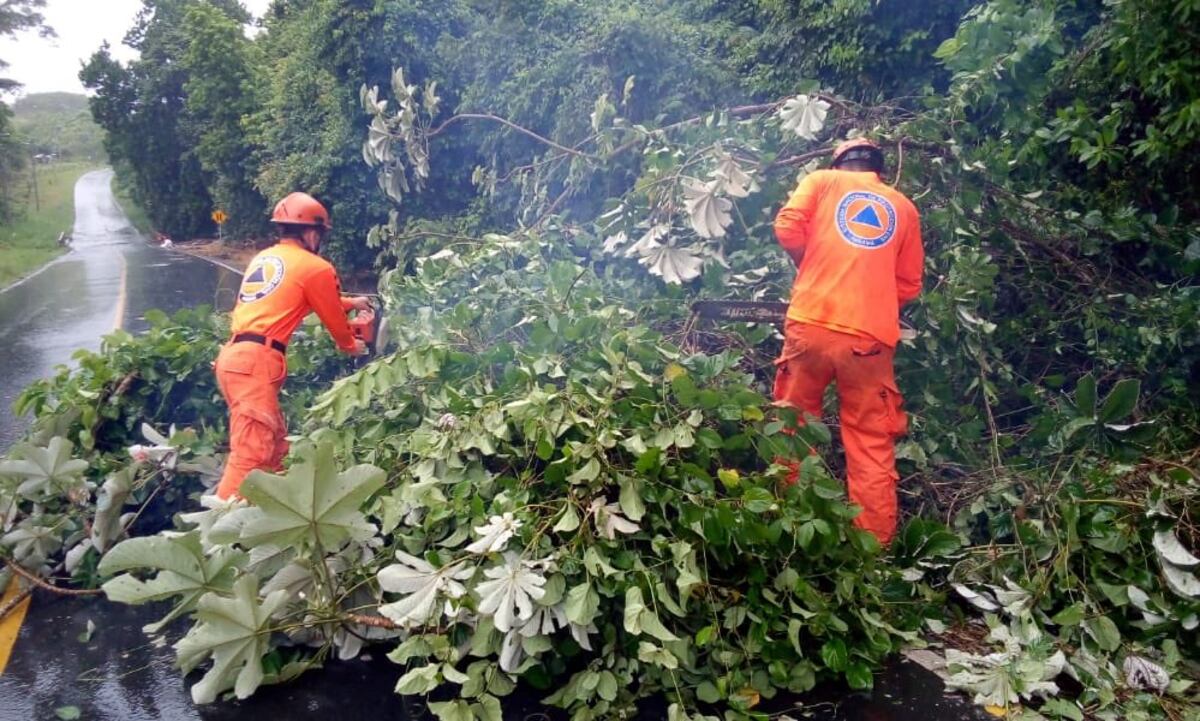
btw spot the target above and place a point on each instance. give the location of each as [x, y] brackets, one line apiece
[510, 124]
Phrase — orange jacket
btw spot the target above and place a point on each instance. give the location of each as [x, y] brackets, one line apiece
[282, 285]
[862, 254]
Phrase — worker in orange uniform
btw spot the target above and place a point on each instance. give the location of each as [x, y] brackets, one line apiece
[856, 243]
[282, 285]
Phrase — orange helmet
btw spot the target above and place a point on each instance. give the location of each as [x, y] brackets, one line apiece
[301, 209]
[870, 151]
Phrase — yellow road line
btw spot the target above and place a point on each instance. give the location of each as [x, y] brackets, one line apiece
[10, 625]
[122, 295]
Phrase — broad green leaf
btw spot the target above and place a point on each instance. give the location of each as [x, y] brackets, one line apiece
[419, 680]
[1085, 396]
[1121, 401]
[608, 687]
[652, 625]
[1072, 615]
[183, 570]
[588, 472]
[834, 655]
[859, 676]
[1104, 632]
[640, 619]
[582, 604]
[457, 710]
[488, 708]
[759, 500]
[44, 471]
[312, 506]
[1062, 708]
[234, 632]
[649, 653]
[631, 499]
[568, 521]
[32, 544]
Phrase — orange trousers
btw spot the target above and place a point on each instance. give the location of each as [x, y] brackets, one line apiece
[871, 415]
[250, 376]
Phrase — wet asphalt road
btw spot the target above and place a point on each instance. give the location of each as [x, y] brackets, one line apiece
[111, 278]
[117, 675]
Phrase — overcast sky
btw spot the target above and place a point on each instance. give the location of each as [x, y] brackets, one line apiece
[52, 64]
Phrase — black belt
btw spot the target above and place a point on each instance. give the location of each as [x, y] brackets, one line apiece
[260, 339]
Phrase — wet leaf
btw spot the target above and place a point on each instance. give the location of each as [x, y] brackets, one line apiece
[312, 506]
[234, 632]
[1121, 401]
[424, 584]
[183, 570]
[44, 471]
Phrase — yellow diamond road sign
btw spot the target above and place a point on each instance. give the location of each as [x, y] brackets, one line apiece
[219, 217]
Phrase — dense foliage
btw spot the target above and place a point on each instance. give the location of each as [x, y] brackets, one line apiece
[16, 16]
[557, 476]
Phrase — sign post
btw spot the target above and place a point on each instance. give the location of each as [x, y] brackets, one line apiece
[219, 217]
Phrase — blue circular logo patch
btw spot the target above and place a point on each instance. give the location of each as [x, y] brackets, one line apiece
[866, 219]
[261, 279]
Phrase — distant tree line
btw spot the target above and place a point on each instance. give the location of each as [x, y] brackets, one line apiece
[15, 16]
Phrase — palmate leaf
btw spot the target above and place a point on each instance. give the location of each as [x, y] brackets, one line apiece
[44, 471]
[234, 632]
[183, 570]
[32, 544]
[423, 585]
[804, 115]
[672, 264]
[313, 505]
[708, 213]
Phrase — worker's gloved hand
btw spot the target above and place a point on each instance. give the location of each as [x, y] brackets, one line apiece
[360, 348]
[360, 303]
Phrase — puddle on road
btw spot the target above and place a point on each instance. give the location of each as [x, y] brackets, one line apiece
[118, 675]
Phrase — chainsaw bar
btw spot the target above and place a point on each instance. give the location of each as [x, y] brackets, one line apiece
[745, 311]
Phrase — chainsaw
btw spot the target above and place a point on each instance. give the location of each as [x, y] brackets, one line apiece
[371, 326]
[755, 311]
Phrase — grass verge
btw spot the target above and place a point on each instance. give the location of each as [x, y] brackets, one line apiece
[31, 240]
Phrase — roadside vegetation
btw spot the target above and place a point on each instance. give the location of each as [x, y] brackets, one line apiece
[556, 476]
[31, 238]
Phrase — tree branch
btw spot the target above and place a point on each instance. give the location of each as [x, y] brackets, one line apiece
[510, 124]
[49, 586]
